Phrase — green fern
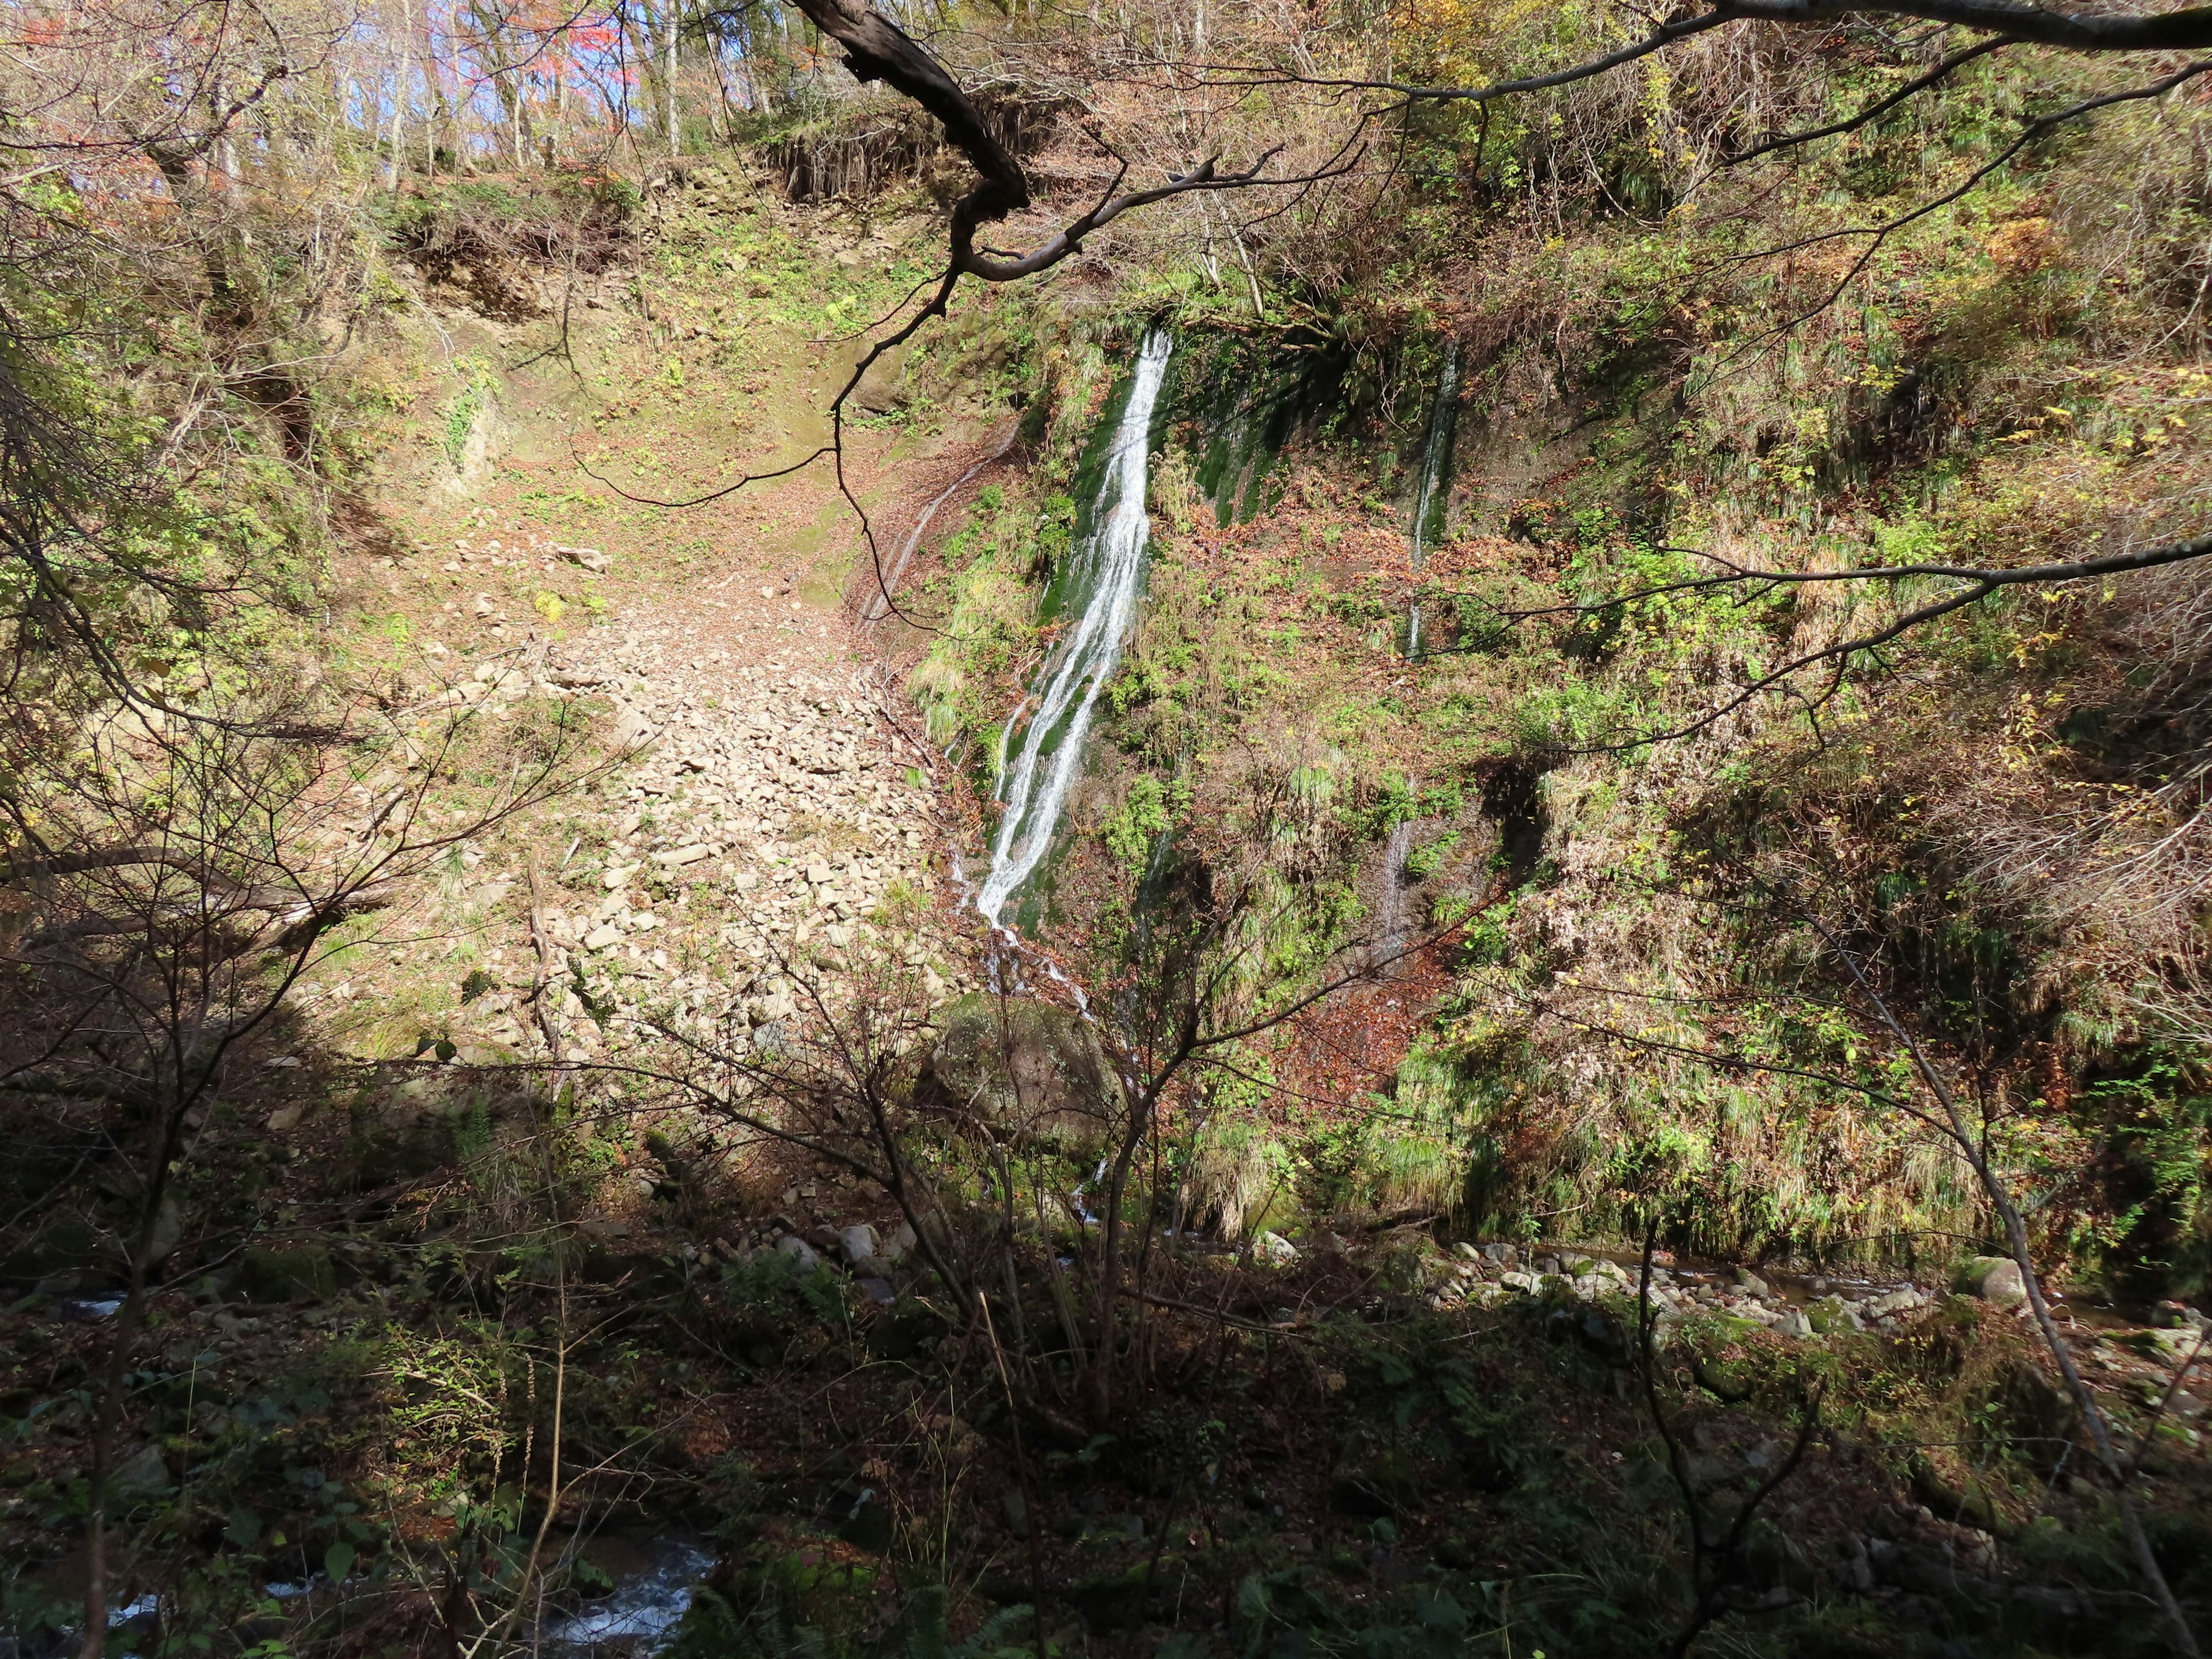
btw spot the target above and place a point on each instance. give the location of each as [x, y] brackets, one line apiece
[926, 1637]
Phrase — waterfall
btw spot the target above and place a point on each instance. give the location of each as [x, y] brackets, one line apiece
[1435, 484]
[1391, 928]
[1034, 781]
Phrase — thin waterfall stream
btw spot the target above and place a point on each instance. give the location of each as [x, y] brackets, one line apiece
[1390, 923]
[1039, 765]
[1435, 482]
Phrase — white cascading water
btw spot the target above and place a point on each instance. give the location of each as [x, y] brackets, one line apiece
[1390, 923]
[1033, 784]
[1436, 454]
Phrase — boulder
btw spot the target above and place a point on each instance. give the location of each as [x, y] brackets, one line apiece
[882, 387]
[140, 1474]
[1995, 1278]
[632, 731]
[1903, 1299]
[1035, 1069]
[1831, 1315]
[804, 1259]
[858, 1242]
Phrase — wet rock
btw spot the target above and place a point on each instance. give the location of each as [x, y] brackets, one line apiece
[1751, 1282]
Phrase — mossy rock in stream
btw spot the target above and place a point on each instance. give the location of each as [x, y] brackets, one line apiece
[1035, 1069]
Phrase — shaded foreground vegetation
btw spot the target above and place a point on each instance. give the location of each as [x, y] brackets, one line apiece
[495, 1123]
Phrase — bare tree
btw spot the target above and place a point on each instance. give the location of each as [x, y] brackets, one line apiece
[167, 882]
[1970, 1142]
[1063, 1094]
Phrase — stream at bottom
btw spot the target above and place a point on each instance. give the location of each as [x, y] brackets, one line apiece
[654, 1578]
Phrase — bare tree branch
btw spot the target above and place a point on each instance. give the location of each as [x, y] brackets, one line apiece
[1876, 110]
[2090, 32]
[1753, 583]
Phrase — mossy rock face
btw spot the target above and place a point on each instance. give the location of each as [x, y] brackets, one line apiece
[300, 1272]
[2031, 1416]
[1035, 1069]
[1829, 1316]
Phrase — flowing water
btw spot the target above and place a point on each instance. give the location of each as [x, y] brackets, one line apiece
[1390, 921]
[1039, 766]
[641, 1615]
[1435, 484]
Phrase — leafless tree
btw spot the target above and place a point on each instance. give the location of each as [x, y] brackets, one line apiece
[166, 883]
[1063, 1094]
[1941, 1113]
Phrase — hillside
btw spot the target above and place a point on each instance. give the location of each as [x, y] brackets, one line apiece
[1193, 832]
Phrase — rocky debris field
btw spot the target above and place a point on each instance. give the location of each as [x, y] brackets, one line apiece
[768, 812]
[762, 813]
[1487, 1275]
